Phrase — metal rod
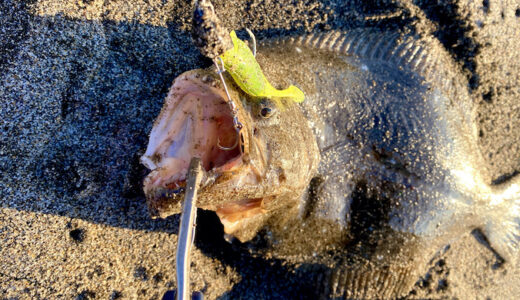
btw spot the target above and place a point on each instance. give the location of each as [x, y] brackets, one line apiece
[187, 229]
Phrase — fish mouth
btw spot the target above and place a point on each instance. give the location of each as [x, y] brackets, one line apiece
[196, 121]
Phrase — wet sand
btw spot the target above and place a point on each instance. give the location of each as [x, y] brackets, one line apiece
[81, 83]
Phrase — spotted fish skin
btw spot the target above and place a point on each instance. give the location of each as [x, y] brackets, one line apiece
[401, 173]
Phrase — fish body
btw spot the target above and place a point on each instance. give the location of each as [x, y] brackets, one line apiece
[399, 174]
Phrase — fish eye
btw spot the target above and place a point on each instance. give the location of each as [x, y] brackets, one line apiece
[266, 109]
[266, 112]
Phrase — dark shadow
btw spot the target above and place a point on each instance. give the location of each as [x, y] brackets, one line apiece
[454, 33]
[15, 26]
[482, 239]
[72, 148]
[261, 278]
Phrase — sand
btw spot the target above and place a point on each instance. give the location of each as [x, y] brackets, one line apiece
[82, 81]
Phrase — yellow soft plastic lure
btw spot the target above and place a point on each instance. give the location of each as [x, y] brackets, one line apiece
[245, 70]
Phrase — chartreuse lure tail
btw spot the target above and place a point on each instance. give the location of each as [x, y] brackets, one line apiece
[245, 70]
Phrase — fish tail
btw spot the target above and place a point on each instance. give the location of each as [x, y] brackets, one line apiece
[502, 226]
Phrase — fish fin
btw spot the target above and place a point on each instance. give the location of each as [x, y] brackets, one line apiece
[366, 281]
[243, 219]
[400, 49]
[503, 222]
[374, 48]
[423, 55]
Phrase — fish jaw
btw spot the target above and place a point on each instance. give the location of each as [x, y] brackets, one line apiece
[284, 155]
[268, 171]
[195, 120]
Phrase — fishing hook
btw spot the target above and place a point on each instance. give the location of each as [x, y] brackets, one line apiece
[253, 39]
[234, 109]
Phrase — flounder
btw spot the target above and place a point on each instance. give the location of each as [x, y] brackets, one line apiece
[359, 185]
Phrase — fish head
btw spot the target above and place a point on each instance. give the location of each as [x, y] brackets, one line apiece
[265, 166]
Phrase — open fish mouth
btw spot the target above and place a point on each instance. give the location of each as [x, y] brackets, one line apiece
[196, 121]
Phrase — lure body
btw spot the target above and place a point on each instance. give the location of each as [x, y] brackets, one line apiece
[245, 70]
